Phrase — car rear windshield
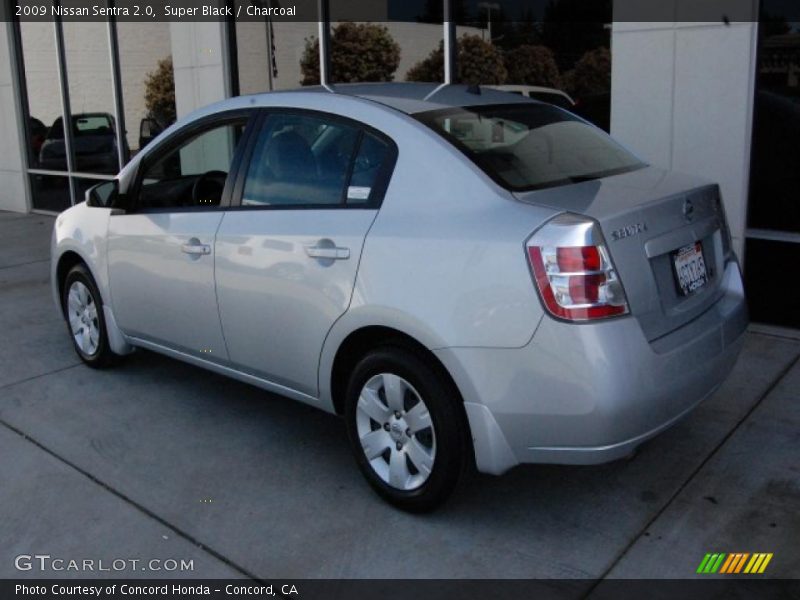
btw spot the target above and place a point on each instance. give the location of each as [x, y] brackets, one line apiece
[531, 146]
[83, 125]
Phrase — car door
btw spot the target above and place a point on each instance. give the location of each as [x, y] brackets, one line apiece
[161, 251]
[288, 251]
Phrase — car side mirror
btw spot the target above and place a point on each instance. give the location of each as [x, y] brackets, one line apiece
[148, 130]
[103, 195]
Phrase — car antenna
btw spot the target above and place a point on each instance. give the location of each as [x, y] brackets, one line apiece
[474, 89]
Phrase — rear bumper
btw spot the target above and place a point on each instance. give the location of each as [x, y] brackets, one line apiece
[591, 393]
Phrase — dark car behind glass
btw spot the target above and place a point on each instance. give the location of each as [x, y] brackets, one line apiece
[95, 144]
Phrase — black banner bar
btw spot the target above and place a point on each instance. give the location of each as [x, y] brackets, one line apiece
[386, 589]
[468, 12]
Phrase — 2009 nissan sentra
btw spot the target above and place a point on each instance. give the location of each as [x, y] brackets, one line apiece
[469, 277]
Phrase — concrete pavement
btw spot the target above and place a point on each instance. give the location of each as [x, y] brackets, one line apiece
[251, 484]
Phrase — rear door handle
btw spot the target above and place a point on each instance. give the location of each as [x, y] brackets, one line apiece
[330, 253]
[194, 247]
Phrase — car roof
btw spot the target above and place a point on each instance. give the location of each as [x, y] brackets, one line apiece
[412, 98]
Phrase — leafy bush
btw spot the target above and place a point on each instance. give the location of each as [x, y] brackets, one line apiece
[477, 62]
[591, 74]
[532, 65]
[159, 95]
[359, 52]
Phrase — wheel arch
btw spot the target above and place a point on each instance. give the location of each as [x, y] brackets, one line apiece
[67, 260]
[65, 264]
[360, 341]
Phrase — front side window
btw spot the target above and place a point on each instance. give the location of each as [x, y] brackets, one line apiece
[194, 173]
[531, 146]
[304, 160]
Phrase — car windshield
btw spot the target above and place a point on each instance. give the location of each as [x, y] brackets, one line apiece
[531, 146]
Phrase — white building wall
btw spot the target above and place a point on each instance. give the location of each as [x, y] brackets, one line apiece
[200, 65]
[682, 99]
[13, 187]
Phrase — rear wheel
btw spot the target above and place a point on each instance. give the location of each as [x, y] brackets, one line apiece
[83, 310]
[406, 429]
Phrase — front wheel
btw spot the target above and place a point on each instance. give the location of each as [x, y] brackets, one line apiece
[83, 310]
[407, 429]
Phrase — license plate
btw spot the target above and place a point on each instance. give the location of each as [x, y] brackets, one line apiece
[690, 268]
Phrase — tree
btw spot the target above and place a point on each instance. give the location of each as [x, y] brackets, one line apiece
[477, 62]
[159, 94]
[430, 68]
[532, 65]
[359, 52]
[591, 74]
[572, 27]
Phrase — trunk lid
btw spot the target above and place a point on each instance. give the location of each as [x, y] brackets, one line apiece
[647, 215]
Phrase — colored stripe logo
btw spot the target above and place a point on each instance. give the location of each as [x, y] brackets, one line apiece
[734, 563]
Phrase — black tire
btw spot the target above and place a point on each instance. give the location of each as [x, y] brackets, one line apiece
[453, 447]
[102, 356]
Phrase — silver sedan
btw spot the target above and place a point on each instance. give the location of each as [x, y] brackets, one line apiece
[469, 277]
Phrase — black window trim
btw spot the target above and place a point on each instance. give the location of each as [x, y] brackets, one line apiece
[382, 179]
[247, 116]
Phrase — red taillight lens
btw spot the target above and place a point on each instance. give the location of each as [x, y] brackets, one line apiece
[577, 283]
[578, 259]
[585, 289]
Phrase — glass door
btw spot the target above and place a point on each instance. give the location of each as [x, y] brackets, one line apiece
[772, 250]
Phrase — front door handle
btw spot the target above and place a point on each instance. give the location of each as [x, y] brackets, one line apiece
[194, 247]
[328, 252]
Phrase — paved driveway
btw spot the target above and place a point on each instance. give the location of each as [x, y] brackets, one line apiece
[158, 459]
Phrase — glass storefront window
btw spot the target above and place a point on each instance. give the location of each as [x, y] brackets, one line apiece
[44, 110]
[768, 261]
[148, 81]
[558, 53]
[91, 98]
[772, 246]
[41, 76]
[270, 55]
[775, 171]
[382, 51]
[92, 123]
[544, 56]
[50, 192]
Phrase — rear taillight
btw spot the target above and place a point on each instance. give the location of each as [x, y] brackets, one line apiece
[573, 270]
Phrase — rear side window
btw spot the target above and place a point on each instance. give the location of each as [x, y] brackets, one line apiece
[83, 125]
[309, 160]
[93, 125]
[531, 146]
[373, 155]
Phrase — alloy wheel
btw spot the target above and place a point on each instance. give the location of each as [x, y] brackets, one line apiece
[83, 320]
[396, 432]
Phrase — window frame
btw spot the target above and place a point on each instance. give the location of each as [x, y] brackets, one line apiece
[249, 117]
[382, 179]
